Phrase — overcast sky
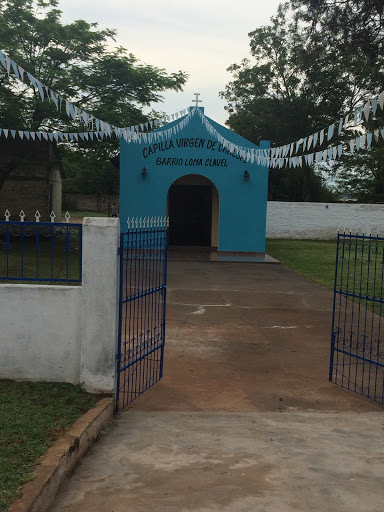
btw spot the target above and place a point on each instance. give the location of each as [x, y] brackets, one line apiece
[200, 37]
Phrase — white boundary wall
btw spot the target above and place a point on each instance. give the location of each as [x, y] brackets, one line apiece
[322, 220]
[66, 333]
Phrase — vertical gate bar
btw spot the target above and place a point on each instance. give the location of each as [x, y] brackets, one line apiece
[366, 308]
[129, 318]
[340, 309]
[347, 303]
[7, 246]
[142, 346]
[372, 313]
[157, 283]
[22, 249]
[37, 250]
[380, 312]
[118, 356]
[359, 317]
[80, 233]
[353, 306]
[333, 311]
[145, 287]
[165, 268]
[52, 233]
[135, 304]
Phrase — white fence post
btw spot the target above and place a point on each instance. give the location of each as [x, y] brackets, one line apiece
[100, 284]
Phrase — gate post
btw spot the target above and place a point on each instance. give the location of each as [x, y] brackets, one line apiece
[100, 303]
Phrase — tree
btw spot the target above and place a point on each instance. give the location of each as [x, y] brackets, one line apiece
[300, 82]
[351, 32]
[75, 60]
[281, 97]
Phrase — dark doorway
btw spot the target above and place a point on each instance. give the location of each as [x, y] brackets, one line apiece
[190, 215]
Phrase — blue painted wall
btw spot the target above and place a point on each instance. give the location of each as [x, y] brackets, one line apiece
[243, 205]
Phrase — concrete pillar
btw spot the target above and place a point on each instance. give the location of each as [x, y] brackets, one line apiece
[55, 190]
[100, 286]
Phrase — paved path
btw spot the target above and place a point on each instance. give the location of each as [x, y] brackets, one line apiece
[244, 418]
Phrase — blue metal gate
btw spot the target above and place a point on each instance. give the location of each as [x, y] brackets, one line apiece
[357, 350]
[143, 284]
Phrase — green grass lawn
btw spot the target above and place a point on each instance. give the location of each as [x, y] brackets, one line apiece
[32, 417]
[314, 259]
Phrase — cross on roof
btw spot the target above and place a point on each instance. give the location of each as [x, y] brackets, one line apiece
[196, 100]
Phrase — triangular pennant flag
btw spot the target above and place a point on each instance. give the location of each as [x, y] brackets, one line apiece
[2, 60]
[352, 145]
[339, 150]
[81, 135]
[325, 155]
[21, 134]
[334, 152]
[86, 136]
[71, 136]
[369, 140]
[357, 143]
[40, 87]
[321, 137]
[38, 135]
[374, 105]
[33, 135]
[5, 131]
[356, 117]
[382, 132]
[306, 159]
[362, 141]
[91, 135]
[8, 62]
[45, 135]
[13, 133]
[341, 122]
[310, 139]
[381, 100]
[367, 110]
[15, 69]
[329, 153]
[53, 96]
[76, 136]
[55, 136]
[331, 129]
[50, 135]
[304, 143]
[26, 134]
[315, 137]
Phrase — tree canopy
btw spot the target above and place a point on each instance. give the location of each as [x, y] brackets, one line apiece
[306, 70]
[78, 62]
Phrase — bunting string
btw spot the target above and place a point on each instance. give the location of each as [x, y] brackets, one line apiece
[76, 113]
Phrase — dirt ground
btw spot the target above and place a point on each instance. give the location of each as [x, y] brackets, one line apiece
[244, 418]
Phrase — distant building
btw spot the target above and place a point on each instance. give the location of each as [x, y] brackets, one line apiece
[31, 179]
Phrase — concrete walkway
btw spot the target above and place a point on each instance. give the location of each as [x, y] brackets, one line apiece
[244, 418]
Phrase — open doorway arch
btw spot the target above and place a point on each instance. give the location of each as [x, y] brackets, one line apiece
[193, 210]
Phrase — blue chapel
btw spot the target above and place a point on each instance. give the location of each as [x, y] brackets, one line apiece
[209, 181]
